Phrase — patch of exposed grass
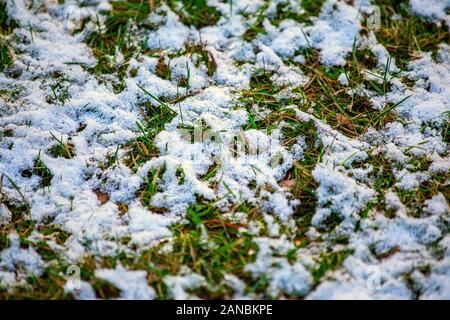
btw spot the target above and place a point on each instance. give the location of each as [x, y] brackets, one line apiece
[117, 38]
[49, 286]
[342, 107]
[112, 158]
[226, 251]
[54, 232]
[41, 170]
[414, 199]
[61, 149]
[405, 36]
[20, 222]
[59, 90]
[195, 13]
[309, 8]
[6, 60]
[138, 153]
[6, 24]
[7, 133]
[13, 94]
[143, 148]
[302, 14]
[299, 179]
[163, 69]
[262, 97]
[329, 261]
[150, 187]
[384, 180]
[257, 26]
[262, 91]
[202, 56]
[304, 184]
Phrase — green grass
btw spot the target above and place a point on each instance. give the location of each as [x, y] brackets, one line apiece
[163, 69]
[203, 56]
[155, 117]
[197, 53]
[150, 187]
[305, 185]
[119, 38]
[333, 103]
[406, 36]
[384, 180]
[6, 60]
[310, 8]
[20, 223]
[228, 250]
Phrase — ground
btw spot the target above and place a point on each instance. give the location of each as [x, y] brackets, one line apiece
[155, 149]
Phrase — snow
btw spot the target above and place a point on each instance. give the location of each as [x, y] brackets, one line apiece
[283, 277]
[433, 9]
[98, 121]
[334, 31]
[16, 263]
[184, 281]
[437, 205]
[132, 284]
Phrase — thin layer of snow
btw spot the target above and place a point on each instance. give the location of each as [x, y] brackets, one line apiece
[96, 121]
[132, 284]
[17, 263]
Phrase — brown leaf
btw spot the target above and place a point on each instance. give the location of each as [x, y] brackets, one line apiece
[343, 121]
[102, 197]
[287, 183]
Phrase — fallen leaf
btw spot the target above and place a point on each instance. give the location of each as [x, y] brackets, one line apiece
[102, 197]
[287, 183]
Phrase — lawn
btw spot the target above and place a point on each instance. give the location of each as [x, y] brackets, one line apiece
[219, 149]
